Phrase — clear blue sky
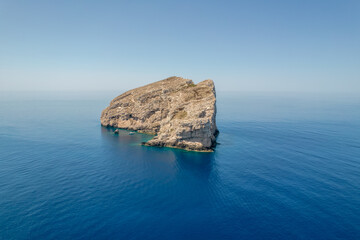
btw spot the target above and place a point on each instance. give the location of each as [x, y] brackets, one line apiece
[304, 45]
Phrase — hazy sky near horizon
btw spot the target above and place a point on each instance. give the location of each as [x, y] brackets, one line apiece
[300, 45]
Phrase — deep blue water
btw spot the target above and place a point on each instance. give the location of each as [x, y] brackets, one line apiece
[287, 167]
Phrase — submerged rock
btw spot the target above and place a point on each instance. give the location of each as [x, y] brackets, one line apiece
[180, 113]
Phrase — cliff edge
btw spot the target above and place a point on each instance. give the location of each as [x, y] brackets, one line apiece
[179, 113]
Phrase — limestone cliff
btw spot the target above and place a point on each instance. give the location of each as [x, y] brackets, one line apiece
[179, 113]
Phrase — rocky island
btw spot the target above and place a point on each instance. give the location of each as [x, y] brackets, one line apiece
[178, 112]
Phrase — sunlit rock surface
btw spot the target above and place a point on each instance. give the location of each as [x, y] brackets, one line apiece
[179, 113]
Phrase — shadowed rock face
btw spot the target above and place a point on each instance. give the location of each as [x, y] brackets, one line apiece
[180, 113]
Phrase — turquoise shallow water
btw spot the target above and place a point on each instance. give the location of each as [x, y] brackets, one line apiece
[287, 167]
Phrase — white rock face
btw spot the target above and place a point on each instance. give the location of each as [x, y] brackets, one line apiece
[180, 113]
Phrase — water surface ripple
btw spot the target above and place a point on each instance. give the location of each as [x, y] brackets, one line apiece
[287, 167]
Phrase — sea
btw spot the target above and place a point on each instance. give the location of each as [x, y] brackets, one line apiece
[287, 166]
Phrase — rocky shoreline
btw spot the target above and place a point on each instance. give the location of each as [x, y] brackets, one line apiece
[179, 113]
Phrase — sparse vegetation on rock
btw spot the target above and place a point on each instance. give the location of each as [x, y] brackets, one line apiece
[180, 113]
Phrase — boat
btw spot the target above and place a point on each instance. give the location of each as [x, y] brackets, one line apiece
[131, 133]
